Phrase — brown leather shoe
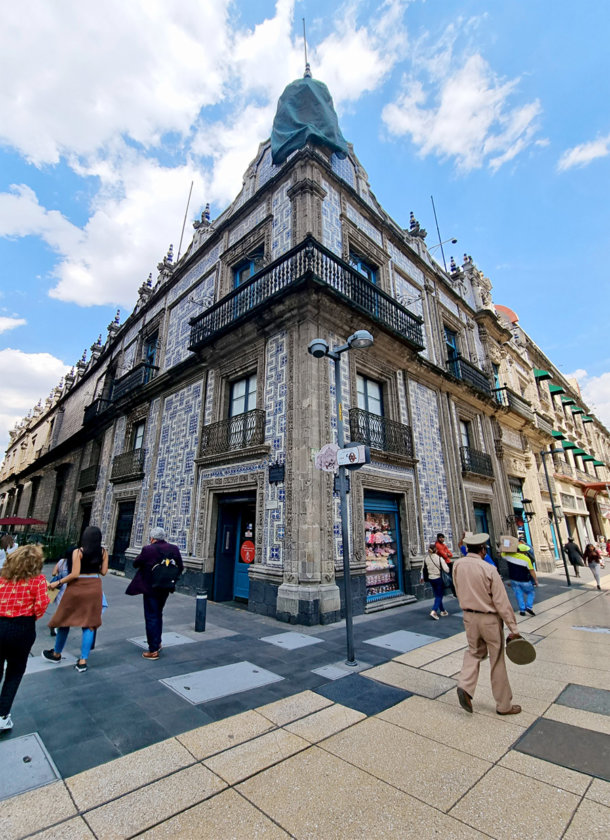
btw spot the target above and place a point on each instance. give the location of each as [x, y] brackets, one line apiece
[465, 700]
[514, 710]
[151, 654]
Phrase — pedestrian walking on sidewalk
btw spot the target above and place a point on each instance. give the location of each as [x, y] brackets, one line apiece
[81, 603]
[574, 555]
[23, 600]
[520, 571]
[485, 604]
[434, 566]
[593, 558]
[154, 592]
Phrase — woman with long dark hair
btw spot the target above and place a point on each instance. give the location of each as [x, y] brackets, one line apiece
[81, 604]
[23, 600]
[593, 559]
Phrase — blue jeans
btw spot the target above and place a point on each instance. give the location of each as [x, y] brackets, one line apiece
[438, 589]
[85, 645]
[153, 617]
[524, 593]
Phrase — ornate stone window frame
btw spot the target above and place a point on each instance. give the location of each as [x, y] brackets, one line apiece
[357, 241]
[138, 415]
[251, 360]
[259, 237]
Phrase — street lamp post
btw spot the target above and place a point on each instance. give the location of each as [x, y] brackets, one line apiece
[543, 454]
[319, 348]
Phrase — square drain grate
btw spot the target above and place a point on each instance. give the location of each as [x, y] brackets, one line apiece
[212, 683]
[26, 765]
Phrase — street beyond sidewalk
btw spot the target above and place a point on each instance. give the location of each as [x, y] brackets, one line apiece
[305, 751]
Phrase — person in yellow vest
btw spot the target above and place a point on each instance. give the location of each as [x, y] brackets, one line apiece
[521, 572]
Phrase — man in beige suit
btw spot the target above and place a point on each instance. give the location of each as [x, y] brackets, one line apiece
[485, 604]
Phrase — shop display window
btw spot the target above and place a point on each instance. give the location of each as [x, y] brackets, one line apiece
[383, 556]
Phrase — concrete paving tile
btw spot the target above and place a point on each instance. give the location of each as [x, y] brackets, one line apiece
[291, 708]
[325, 723]
[570, 746]
[401, 640]
[590, 820]
[448, 665]
[485, 704]
[570, 673]
[108, 781]
[507, 805]
[599, 792]
[340, 669]
[573, 653]
[228, 816]
[212, 683]
[154, 803]
[478, 735]
[410, 679]
[291, 640]
[35, 810]
[242, 761]
[363, 694]
[224, 734]
[545, 771]
[74, 829]
[578, 717]
[596, 700]
[428, 770]
[317, 795]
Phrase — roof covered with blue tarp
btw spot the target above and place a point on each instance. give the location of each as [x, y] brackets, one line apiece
[305, 112]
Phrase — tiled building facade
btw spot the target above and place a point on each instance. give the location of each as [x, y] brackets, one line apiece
[203, 412]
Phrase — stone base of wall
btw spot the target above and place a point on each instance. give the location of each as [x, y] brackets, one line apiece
[262, 598]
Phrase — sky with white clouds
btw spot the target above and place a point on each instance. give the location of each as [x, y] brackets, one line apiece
[111, 110]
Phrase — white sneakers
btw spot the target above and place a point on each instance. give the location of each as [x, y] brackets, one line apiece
[444, 613]
[434, 615]
[6, 722]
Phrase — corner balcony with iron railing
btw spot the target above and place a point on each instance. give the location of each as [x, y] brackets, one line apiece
[510, 399]
[467, 372]
[128, 466]
[133, 381]
[380, 433]
[474, 461]
[95, 410]
[88, 477]
[235, 434]
[307, 263]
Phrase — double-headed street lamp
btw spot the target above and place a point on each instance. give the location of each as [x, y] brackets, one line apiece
[319, 348]
[543, 455]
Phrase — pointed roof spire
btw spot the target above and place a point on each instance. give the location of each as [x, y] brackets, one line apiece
[307, 73]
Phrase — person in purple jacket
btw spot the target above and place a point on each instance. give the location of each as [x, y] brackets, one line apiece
[142, 584]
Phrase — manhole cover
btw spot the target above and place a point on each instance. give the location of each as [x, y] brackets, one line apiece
[26, 765]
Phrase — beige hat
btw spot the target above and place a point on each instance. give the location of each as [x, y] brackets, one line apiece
[508, 544]
[476, 539]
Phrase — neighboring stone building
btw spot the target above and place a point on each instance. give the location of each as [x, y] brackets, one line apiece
[203, 411]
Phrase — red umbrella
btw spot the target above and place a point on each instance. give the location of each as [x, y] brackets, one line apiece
[20, 520]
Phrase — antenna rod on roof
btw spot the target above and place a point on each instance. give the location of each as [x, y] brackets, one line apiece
[184, 222]
[438, 231]
[307, 72]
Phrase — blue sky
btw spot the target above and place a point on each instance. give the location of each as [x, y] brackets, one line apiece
[497, 109]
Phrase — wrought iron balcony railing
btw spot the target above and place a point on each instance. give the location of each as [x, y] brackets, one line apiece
[134, 380]
[467, 372]
[307, 262]
[128, 466]
[475, 461]
[237, 432]
[506, 397]
[380, 432]
[88, 477]
[94, 410]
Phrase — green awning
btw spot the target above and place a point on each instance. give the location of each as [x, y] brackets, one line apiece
[567, 444]
[578, 451]
[556, 389]
[568, 401]
[542, 374]
[588, 458]
[598, 463]
[558, 435]
[578, 410]
[586, 419]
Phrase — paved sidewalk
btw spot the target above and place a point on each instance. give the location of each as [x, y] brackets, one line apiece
[386, 752]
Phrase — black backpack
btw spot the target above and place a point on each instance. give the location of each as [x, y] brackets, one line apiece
[425, 573]
[165, 574]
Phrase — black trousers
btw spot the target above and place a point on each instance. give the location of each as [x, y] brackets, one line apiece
[17, 635]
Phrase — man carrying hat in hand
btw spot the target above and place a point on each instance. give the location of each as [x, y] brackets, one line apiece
[486, 606]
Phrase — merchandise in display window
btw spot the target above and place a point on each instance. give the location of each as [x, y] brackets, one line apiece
[383, 576]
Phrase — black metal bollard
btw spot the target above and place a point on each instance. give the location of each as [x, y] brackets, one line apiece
[200, 611]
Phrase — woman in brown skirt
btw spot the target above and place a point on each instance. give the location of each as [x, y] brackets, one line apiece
[81, 604]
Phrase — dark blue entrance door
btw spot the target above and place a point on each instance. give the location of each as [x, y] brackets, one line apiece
[235, 543]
